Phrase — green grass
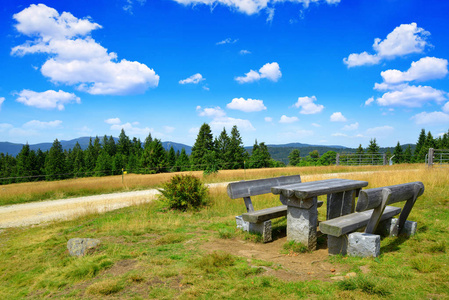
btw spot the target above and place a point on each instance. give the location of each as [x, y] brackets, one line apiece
[147, 251]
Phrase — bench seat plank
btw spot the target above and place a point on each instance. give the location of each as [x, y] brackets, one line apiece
[268, 213]
[349, 223]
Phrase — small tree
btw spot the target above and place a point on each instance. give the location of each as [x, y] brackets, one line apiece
[294, 157]
[397, 159]
[184, 192]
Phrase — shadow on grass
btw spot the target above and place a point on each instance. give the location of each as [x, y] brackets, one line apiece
[394, 245]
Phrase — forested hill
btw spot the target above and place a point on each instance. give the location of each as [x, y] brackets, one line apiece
[14, 149]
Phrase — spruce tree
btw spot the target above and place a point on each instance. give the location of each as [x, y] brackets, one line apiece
[203, 149]
[171, 158]
[419, 145]
[89, 158]
[222, 146]
[398, 155]
[407, 157]
[294, 157]
[24, 167]
[183, 161]
[103, 166]
[55, 162]
[237, 152]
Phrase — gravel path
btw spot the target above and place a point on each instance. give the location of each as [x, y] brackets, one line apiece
[39, 212]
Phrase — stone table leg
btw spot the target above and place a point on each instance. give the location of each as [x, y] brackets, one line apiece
[302, 223]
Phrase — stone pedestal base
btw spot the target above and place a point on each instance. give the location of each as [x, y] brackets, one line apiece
[337, 245]
[363, 244]
[263, 228]
[301, 225]
[385, 228]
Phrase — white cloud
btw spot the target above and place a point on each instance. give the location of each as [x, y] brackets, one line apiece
[244, 52]
[74, 58]
[129, 6]
[195, 79]
[436, 117]
[337, 117]
[2, 99]
[446, 107]
[130, 129]
[217, 124]
[369, 101]
[404, 39]
[339, 134]
[412, 96]
[351, 127]
[379, 131]
[35, 124]
[48, 100]
[307, 106]
[169, 129]
[251, 7]
[227, 41]
[285, 119]
[270, 71]
[250, 105]
[268, 119]
[426, 68]
[213, 112]
[316, 125]
[5, 126]
[113, 121]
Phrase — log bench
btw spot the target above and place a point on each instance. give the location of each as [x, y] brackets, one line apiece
[259, 221]
[371, 211]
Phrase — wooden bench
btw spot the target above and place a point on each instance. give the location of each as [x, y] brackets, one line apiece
[370, 211]
[259, 221]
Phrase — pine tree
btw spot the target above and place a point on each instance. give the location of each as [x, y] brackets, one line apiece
[77, 159]
[203, 149]
[398, 155]
[294, 157]
[260, 157]
[222, 146]
[153, 157]
[237, 152]
[55, 162]
[109, 145]
[103, 166]
[123, 144]
[89, 158]
[183, 161]
[407, 157]
[24, 164]
[419, 145]
[429, 143]
[171, 158]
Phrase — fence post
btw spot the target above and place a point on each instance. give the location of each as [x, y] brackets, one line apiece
[430, 157]
[385, 159]
[337, 159]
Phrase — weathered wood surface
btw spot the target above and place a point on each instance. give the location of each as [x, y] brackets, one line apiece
[352, 222]
[418, 190]
[378, 211]
[311, 189]
[250, 188]
[372, 198]
[340, 204]
[268, 213]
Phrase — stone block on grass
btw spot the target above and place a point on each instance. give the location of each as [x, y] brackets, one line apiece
[385, 228]
[363, 244]
[82, 246]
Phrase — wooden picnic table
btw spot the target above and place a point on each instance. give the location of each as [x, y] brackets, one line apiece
[302, 210]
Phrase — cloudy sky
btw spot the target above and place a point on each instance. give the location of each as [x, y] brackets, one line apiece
[329, 72]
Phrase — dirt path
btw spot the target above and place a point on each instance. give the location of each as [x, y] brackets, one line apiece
[64, 209]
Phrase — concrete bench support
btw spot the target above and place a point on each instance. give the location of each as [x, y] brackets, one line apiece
[363, 244]
[302, 224]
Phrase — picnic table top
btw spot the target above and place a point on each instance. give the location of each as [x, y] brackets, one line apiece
[305, 190]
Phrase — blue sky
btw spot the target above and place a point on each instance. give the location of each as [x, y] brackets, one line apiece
[328, 72]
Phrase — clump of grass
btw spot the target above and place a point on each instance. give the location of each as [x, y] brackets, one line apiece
[439, 246]
[225, 233]
[105, 287]
[170, 238]
[365, 284]
[84, 267]
[215, 261]
[294, 247]
[424, 264]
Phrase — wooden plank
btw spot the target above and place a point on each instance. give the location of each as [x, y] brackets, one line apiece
[248, 204]
[406, 210]
[315, 188]
[250, 188]
[378, 211]
[352, 222]
[372, 198]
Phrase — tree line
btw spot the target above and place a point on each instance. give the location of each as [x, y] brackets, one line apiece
[105, 156]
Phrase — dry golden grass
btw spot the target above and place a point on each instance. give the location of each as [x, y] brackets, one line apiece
[36, 191]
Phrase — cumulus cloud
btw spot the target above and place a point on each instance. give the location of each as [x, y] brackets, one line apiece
[36, 124]
[113, 121]
[74, 58]
[307, 106]
[285, 119]
[48, 100]
[251, 7]
[369, 101]
[411, 96]
[446, 107]
[379, 131]
[213, 112]
[194, 79]
[244, 52]
[426, 68]
[351, 127]
[2, 99]
[250, 105]
[337, 117]
[436, 117]
[270, 71]
[227, 41]
[404, 39]
[220, 119]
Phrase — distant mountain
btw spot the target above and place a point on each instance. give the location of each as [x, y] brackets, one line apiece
[14, 149]
[300, 145]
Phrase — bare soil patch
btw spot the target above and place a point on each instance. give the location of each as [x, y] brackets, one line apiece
[289, 267]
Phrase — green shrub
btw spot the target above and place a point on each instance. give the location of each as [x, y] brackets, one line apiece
[184, 192]
[293, 247]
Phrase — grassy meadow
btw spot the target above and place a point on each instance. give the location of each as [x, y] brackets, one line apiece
[149, 252]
